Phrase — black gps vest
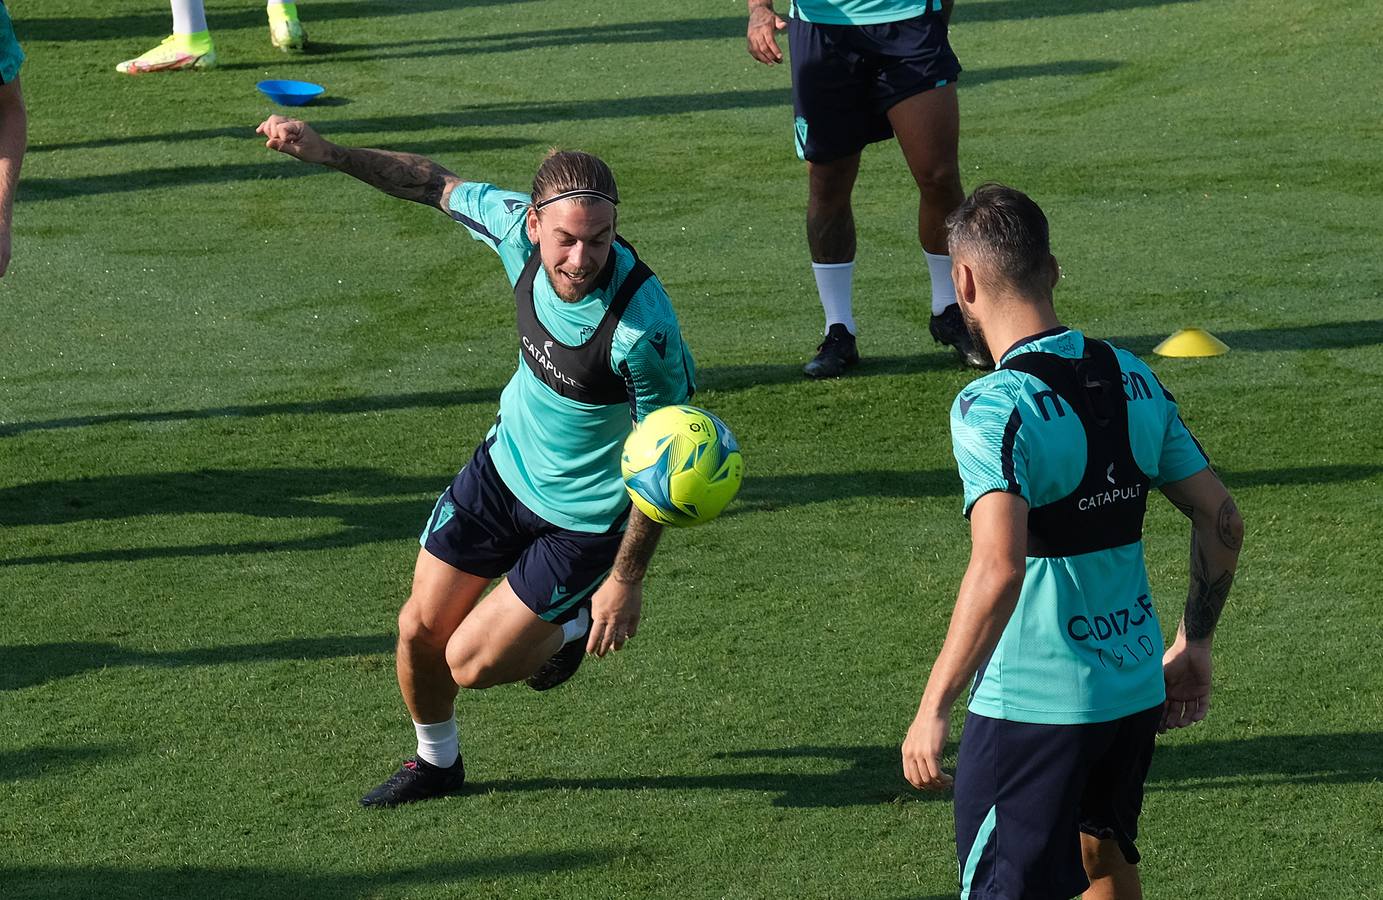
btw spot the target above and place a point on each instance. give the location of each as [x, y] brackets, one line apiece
[1106, 509]
[582, 372]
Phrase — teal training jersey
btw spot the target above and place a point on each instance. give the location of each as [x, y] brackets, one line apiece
[861, 12]
[559, 456]
[1084, 644]
[11, 57]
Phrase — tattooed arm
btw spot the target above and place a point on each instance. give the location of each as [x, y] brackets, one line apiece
[617, 605]
[1217, 534]
[404, 175]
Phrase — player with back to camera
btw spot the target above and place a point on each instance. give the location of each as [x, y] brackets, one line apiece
[864, 71]
[541, 505]
[1054, 626]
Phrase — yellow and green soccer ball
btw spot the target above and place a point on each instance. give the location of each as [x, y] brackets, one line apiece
[681, 466]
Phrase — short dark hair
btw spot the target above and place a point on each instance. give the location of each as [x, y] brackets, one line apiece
[1007, 232]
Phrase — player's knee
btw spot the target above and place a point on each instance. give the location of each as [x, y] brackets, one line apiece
[417, 628]
[472, 670]
[829, 190]
[940, 180]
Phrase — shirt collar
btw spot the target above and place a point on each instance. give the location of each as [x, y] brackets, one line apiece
[1050, 332]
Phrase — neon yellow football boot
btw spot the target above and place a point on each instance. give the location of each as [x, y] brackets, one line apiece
[177, 51]
[285, 31]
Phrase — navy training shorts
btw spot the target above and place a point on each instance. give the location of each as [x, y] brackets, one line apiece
[845, 79]
[1024, 793]
[480, 527]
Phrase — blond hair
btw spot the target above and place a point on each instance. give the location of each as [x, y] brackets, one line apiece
[563, 171]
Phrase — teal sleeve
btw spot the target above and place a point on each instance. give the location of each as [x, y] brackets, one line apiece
[658, 368]
[988, 443]
[11, 56]
[495, 217]
[1182, 455]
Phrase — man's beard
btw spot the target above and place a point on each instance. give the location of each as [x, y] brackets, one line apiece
[565, 288]
[976, 332]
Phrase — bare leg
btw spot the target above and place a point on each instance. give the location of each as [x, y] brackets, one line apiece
[1111, 876]
[501, 641]
[442, 597]
[928, 129]
[830, 220]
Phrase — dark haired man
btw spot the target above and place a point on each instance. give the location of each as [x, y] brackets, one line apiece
[1054, 623]
[541, 506]
[864, 71]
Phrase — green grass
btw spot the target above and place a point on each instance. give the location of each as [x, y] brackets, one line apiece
[231, 385]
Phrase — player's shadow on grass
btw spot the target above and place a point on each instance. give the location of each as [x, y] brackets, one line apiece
[154, 23]
[1341, 758]
[368, 505]
[256, 883]
[873, 774]
[495, 115]
[711, 379]
[1293, 475]
[747, 376]
[767, 493]
[1316, 336]
[29, 665]
[866, 776]
[332, 406]
[1010, 10]
[272, 168]
[39, 762]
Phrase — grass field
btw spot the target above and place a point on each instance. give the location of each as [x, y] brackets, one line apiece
[231, 386]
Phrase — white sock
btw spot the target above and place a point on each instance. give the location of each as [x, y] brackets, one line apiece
[833, 283]
[189, 16]
[438, 743]
[576, 629]
[943, 288]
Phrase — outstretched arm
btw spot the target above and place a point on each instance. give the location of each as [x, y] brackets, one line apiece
[407, 176]
[1217, 534]
[988, 595]
[618, 603]
[14, 132]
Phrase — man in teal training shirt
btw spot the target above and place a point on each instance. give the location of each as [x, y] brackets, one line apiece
[864, 71]
[541, 506]
[1054, 625]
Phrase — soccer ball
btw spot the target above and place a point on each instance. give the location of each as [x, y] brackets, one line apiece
[681, 466]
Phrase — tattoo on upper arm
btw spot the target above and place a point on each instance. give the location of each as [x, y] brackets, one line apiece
[1206, 599]
[404, 175]
[1227, 525]
[1187, 509]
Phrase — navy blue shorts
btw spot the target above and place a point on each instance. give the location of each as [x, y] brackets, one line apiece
[845, 79]
[480, 527]
[1025, 792]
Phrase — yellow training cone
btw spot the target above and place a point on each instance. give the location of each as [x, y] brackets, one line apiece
[1191, 342]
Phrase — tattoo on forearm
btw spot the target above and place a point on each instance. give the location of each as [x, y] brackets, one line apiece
[1209, 590]
[404, 175]
[1227, 525]
[640, 540]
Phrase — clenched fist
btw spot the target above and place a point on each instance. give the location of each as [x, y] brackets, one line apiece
[295, 138]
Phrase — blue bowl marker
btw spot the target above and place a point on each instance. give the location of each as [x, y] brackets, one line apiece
[290, 93]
